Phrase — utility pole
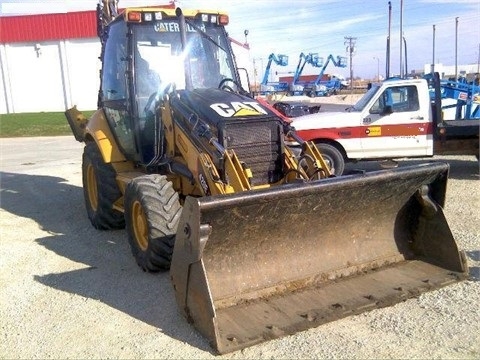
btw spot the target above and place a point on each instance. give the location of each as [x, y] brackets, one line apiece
[478, 60]
[401, 36]
[387, 62]
[433, 56]
[378, 67]
[257, 75]
[350, 42]
[456, 49]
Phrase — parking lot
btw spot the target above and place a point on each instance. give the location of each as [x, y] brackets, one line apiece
[70, 291]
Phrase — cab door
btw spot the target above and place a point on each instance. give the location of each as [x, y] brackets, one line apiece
[395, 125]
[113, 89]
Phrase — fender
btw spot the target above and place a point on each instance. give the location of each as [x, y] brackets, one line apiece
[347, 138]
[97, 129]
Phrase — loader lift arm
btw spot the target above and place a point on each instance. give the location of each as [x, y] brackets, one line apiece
[107, 10]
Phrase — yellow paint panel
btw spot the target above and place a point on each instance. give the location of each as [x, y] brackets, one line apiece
[247, 112]
[98, 128]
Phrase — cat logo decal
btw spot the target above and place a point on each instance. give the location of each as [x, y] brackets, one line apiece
[237, 109]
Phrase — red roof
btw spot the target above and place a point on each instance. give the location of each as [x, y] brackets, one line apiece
[44, 27]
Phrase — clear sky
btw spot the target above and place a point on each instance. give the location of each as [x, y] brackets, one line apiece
[291, 27]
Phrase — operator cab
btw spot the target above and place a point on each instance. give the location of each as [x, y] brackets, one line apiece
[143, 60]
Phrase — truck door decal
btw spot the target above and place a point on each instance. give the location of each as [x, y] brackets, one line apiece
[373, 131]
[367, 120]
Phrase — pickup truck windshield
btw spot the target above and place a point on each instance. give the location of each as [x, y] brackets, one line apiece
[365, 99]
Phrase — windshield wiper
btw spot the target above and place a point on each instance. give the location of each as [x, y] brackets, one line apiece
[204, 34]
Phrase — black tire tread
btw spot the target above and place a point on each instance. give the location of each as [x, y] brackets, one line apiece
[162, 208]
[335, 156]
[104, 217]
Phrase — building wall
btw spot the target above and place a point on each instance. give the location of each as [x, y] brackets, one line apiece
[447, 71]
[84, 72]
[49, 75]
[3, 81]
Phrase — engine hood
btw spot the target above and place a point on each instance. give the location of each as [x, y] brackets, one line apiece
[324, 120]
[215, 106]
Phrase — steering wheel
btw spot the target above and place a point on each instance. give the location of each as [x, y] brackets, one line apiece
[169, 88]
[239, 90]
[222, 85]
[149, 102]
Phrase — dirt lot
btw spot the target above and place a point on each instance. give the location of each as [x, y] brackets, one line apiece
[70, 291]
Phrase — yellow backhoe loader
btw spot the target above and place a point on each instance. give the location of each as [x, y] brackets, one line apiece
[261, 242]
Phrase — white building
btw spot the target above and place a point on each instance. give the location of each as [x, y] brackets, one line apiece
[49, 62]
[447, 71]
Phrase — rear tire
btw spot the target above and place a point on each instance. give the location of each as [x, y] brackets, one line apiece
[152, 213]
[333, 157]
[100, 190]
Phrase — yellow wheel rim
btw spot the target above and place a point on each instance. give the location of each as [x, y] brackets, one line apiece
[92, 188]
[140, 227]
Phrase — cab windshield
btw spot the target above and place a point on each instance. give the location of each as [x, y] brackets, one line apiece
[159, 61]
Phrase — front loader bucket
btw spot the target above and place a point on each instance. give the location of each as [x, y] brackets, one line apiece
[262, 264]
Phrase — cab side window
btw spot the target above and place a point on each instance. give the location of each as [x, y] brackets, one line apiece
[114, 86]
[397, 99]
[412, 98]
[115, 64]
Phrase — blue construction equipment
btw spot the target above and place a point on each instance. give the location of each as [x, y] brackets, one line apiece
[467, 96]
[297, 87]
[460, 99]
[326, 87]
[267, 87]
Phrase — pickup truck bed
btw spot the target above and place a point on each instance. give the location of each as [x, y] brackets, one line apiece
[462, 128]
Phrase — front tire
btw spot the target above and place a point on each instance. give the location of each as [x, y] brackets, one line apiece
[152, 213]
[333, 157]
[100, 190]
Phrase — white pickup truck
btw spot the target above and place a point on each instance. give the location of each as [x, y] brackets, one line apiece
[394, 119]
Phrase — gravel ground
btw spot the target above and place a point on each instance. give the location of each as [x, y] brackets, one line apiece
[69, 291]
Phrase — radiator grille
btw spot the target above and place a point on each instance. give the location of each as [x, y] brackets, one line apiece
[259, 146]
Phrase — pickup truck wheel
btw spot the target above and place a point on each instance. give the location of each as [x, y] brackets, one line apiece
[333, 157]
[152, 212]
[100, 190]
